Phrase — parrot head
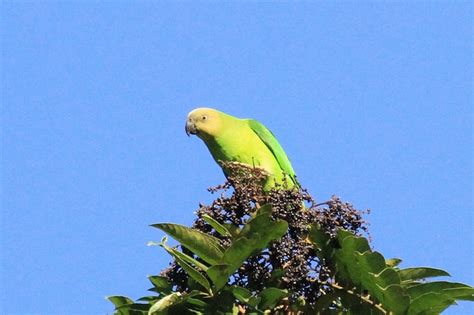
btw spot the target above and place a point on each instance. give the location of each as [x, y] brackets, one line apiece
[204, 122]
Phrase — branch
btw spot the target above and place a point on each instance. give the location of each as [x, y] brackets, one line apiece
[363, 298]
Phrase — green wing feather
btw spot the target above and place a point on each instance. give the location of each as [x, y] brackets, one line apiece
[272, 143]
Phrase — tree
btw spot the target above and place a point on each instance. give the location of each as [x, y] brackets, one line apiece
[278, 252]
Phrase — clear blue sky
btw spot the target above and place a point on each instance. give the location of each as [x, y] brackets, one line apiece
[372, 101]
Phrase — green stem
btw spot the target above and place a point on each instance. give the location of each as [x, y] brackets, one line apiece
[363, 298]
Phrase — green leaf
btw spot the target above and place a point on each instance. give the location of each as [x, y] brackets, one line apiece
[222, 230]
[255, 236]
[240, 250]
[346, 262]
[148, 298]
[195, 274]
[175, 253]
[356, 263]
[254, 301]
[119, 300]
[394, 299]
[265, 209]
[355, 303]
[264, 230]
[438, 295]
[173, 304]
[162, 306]
[371, 261]
[161, 284]
[264, 233]
[393, 262]
[234, 230]
[386, 277]
[461, 293]
[369, 264]
[133, 309]
[219, 274]
[319, 238]
[276, 277]
[450, 289]
[205, 246]
[183, 260]
[382, 282]
[429, 301]
[397, 290]
[242, 294]
[410, 274]
[270, 297]
[342, 234]
[325, 301]
[197, 302]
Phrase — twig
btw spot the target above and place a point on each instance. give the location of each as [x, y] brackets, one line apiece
[328, 203]
[365, 299]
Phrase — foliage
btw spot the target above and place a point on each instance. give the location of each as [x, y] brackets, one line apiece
[280, 253]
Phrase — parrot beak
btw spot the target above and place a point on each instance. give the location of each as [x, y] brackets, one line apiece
[190, 128]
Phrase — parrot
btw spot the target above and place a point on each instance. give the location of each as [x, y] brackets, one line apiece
[245, 141]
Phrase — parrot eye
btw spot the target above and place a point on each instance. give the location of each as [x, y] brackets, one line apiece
[204, 117]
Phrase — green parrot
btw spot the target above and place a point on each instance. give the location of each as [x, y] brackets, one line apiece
[245, 141]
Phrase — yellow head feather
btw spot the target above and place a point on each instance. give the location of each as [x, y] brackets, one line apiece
[205, 122]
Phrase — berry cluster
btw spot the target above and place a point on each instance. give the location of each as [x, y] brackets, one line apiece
[289, 263]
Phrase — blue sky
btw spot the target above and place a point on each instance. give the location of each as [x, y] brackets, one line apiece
[372, 101]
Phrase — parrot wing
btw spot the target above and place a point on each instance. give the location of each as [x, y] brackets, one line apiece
[274, 146]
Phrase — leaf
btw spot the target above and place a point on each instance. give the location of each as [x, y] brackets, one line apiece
[175, 253]
[205, 246]
[461, 293]
[170, 303]
[197, 302]
[255, 236]
[119, 300]
[148, 298]
[387, 277]
[429, 301]
[342, 234]
[264, 230]
[240, 250]
[222, 230]
[319, 238]
[371, 261]
[437, 295]
[356, 263]
[183, 260]
[450, 289]
[254, 301]
[276, 277]
[233, 229]
[242, 294]
[393, 262]
[346, 262]
[382, 282]
[161, 284]
[396, 290]
[133, 309]
[162, 306]
[219, 274]
[325, 301]
[394, 299]
[265, 209]
[270, 297]
[195, 274]
[409, 274]
[357, 305]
